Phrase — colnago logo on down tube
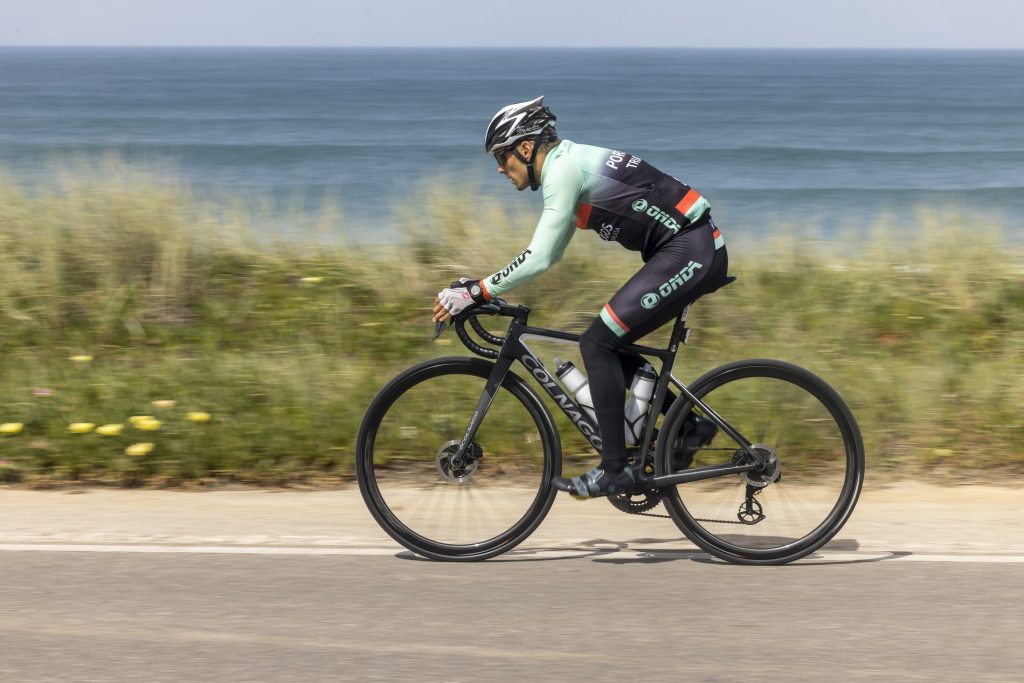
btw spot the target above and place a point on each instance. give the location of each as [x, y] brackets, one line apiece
[641, 206]
[564, 402]
[510, 268]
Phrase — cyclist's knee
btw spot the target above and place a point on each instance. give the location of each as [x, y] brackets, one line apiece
[598, 341]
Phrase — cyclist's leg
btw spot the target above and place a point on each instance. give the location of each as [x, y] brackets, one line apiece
[676, 275]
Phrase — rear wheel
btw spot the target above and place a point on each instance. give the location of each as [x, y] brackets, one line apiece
[425, 498]
[813, 455]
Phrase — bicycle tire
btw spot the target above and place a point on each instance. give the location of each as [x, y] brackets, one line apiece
[794, 414]
[454, 384]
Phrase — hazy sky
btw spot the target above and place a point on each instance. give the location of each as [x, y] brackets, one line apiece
[507, 23]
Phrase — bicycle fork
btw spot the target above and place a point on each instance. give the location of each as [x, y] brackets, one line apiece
[501, 368]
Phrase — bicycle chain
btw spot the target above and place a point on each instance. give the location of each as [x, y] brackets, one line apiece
[651, 514]
[643, 513]
[696, 519]
[711, 521]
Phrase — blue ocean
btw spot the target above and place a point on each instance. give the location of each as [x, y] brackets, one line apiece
[811, 139]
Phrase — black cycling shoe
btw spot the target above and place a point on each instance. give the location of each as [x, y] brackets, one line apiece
[597, 483]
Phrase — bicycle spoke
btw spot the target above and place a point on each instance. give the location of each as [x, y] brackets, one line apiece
[436, 505]
[790, 421]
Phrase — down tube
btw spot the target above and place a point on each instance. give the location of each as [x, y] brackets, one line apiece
[574, 412]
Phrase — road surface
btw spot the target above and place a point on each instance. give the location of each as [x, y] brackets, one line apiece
[925, 583]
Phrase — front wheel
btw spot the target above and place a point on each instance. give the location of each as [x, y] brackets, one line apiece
[813, 463]
[439, 507]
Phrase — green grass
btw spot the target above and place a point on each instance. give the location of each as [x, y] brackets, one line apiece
[920, 328]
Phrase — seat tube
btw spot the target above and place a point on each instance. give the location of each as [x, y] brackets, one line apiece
[664, 377]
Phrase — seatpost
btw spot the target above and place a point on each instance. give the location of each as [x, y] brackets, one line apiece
[681, 328]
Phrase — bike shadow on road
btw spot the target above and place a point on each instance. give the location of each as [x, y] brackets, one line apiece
[837, 552]
[639, 551]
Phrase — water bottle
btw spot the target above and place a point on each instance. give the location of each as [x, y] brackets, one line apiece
[636, 407]
[577, 384]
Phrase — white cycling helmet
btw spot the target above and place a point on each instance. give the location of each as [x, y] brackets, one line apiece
[521, 121]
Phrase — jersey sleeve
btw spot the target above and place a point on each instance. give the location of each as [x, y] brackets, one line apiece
[563, 183]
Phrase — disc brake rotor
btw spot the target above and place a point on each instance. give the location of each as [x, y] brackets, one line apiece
[772, 471]
[462, 472]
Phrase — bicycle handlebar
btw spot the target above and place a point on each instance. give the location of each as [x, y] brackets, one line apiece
[496, 307]
[469, 343]
[484, 334]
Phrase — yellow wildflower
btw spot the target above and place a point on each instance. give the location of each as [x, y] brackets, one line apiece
[81, 427]
[109, 430]
[312, 280]
[82, 358]
[139, 449]
[164, 404]
[11, 428]
[198, 416]
[150, 425]
[136, 419]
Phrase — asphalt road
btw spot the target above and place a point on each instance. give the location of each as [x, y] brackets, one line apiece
[590, 616]
[924, 584]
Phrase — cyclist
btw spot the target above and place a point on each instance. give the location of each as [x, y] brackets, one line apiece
[626, 200]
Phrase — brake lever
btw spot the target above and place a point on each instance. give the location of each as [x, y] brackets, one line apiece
[439, 328]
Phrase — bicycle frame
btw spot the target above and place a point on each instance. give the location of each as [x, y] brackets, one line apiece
[514, 349]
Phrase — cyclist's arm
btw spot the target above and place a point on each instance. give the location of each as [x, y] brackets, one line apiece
[556, 227]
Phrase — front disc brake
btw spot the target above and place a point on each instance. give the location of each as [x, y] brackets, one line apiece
[458, 473]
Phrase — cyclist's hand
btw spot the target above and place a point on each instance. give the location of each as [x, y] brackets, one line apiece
[455, 299]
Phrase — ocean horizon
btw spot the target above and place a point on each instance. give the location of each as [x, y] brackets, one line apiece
[814, 139]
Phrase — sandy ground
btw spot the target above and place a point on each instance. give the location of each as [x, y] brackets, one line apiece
[902, 517]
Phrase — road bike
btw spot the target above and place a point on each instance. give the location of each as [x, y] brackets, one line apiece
[455, 456]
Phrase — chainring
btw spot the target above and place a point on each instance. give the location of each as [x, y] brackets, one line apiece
[636, 502]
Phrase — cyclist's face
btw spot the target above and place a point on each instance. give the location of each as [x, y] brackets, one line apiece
[512, 168]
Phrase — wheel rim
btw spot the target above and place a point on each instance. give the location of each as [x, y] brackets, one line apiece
[807, 490]
[433, 505]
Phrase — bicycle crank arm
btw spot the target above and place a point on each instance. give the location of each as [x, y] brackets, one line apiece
[700, 473]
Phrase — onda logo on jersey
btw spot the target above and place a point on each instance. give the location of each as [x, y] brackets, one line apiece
[510, 268]
[641, 206]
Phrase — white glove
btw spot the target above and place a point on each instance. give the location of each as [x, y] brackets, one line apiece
[456, 299]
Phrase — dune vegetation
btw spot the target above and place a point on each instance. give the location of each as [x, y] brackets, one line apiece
[147, 337]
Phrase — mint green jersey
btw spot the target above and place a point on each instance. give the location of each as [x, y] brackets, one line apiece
[618, 195]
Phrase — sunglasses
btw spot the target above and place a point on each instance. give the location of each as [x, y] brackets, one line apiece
[501, 155]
